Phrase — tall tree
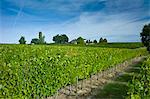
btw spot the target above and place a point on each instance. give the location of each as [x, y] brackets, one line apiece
[101, 40]
[22, 40]
[56, 39]
[95, 41]
[87, 41]
[105, 40]
[41, 38]
[80, 40]
[145, 34]
[64, 38]
[35, 41]
[61, 39]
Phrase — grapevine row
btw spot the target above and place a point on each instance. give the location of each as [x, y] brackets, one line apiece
[139, 87]
[31, 71]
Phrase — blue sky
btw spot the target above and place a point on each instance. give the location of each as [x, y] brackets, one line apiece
[116, 20]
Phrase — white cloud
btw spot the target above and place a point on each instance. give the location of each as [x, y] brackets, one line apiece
[113, 24]
[91, 27]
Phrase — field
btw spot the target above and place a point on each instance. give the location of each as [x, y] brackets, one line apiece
[122, 45]
[29, 71]
[129, 45]
[133, 83]
[139, 87]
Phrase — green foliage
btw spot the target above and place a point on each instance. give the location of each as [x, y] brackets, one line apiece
[105, 40]
[89, 42]
[35, 41]
[101, 40]
[146, 36]
[139, 87]
[95, 41]
[65, 39]
[80, 41]
[40, 40]
[22, 40]
[61, 39]
[132, 45]
[28, 71]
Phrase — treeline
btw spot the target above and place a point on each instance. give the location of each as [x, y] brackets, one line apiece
[40, 40]
[62, 39]
[101, 40]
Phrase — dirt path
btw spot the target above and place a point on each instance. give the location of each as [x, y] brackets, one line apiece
[88, 88]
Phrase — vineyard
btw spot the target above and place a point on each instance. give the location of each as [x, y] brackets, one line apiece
[30, 71]
[139, 87]
[107, 45]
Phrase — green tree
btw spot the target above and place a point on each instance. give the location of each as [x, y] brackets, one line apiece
[35, 41]
[41, 38]
[90, 41]
[80, 40]
[22, 40]
[101, 40]
[105, 40]
[61, 39]
[95, 41]
[145, 34]
[64, 38]
[56, 39]
[87, 41]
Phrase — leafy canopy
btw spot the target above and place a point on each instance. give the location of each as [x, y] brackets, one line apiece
[61, 39]
[22, 40]
[80, 40]
[101, 40]
[145, 34]
[40, 40]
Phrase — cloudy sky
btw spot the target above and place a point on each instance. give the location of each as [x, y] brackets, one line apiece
[116, 20]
